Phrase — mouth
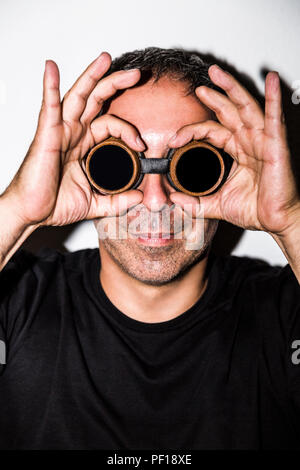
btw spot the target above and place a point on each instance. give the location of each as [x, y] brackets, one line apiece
[154, 235]
[154, 239]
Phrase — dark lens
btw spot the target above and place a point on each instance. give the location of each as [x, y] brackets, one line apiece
[198, 169]
[111, 167]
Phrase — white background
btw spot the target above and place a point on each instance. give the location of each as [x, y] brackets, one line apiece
[248, 34]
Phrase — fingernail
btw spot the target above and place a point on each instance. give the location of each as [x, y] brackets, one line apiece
[130, 70]
[173, 138]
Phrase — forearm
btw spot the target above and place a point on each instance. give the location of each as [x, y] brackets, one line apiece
[13, 231]
[289, 243]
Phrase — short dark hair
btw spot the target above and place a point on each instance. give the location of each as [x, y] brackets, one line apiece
[155, 62]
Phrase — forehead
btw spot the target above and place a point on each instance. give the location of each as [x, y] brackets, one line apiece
[159, 107]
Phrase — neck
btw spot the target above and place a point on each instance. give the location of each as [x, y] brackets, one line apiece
[148, 303]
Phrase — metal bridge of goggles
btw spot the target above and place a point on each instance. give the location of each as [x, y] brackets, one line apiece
[197, 168]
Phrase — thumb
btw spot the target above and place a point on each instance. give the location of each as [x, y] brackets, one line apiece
[206, 207]
[115, 205]
[50, 114]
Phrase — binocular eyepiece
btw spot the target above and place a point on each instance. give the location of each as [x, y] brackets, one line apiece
[197, 168]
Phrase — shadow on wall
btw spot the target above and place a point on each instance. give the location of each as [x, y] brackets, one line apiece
[227, 235]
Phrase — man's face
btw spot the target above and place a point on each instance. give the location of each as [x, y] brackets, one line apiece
[157, 110]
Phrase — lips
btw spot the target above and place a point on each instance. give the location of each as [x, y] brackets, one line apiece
[153, 235]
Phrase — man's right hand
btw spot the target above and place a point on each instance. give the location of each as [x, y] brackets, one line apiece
[50, 187]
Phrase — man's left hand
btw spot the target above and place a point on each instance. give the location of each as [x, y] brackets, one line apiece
[260, 192]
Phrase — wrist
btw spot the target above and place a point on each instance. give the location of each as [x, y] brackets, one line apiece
[11, 211]
[14, 230]
[292, 224]
[288, 241]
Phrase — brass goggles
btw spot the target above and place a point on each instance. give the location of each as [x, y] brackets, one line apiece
[197, 168]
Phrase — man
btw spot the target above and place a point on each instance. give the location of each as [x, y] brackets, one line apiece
[151, 345]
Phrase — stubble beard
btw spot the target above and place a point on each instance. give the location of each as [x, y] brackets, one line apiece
[157, 266]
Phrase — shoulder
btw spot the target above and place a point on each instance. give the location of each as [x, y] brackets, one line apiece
[258, 282]
[256, 285]
[29, 269]
[251, 271]
[37, 282]
[24, 259]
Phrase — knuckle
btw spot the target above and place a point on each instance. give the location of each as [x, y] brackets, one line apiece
[92, 76]
[108, 119]
[66, 96]
[97, 101]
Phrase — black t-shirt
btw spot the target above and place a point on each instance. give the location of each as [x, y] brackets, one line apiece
[80, 374]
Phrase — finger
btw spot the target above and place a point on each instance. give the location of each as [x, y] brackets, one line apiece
[50, 114]
[274, 118]
[189, 204]
[109, 125]
[206, 207]
[224, 109]
[75, 99]
[107, 88]
[249, 109]
[45, 149]
[114, 205]
[210, 131]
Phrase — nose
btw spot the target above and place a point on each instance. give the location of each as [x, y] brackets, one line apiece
[156, 191]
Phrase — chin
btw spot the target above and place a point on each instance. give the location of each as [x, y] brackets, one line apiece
[153, 279]
[150, 265]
